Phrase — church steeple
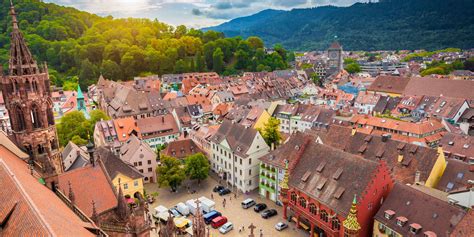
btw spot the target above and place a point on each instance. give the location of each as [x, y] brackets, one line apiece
[21, 61]
[351, 225]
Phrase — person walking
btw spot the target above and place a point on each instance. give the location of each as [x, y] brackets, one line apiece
[212, 196]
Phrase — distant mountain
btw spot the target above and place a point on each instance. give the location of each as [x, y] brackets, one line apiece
[388, 24]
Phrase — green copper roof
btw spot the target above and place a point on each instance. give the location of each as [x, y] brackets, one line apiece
[79, 93]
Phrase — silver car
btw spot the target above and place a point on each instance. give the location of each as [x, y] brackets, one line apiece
[281, 226]
[226, 227]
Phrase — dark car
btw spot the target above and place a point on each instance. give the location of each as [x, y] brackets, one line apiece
[223, 191]
[217, 188]
[260, 207]
[269, 213]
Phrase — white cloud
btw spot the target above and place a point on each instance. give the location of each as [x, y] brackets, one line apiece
[193, 13]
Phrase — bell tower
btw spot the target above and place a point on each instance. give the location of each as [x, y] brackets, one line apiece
[27, 96]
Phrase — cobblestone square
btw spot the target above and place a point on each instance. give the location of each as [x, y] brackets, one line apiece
[233, 210]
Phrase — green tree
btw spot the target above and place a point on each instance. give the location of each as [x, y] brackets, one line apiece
[200, 63]
[352, 68]
[88, 74]
[78, 140]
[271, 131]
[315, 79]
[181, 66]
[197, 167]
[255, 42]
[218, 60]
[110, 70]
[72, 124]
[170, 173]
[96, 116]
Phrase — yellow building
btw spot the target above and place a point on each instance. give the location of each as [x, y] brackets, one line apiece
[262, 120]
[438, 170]
[121, 173]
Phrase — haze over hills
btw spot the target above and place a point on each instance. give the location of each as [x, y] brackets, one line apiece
[388, 24]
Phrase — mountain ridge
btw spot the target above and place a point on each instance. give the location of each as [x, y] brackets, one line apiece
[389, 24]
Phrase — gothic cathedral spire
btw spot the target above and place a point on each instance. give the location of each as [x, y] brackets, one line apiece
[351, 225]
[27, 96]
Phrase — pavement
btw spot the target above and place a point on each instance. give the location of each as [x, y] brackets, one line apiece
[233, 210]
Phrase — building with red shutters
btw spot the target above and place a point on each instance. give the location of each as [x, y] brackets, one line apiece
[334, 193]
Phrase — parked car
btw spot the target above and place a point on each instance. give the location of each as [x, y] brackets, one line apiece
[174, 212]
[224, 191]
[218, 222]
[218, 188]
[260, 207]
[226, 227]
[281, 226]
[269, 213]
[208, 217]
[248, 203]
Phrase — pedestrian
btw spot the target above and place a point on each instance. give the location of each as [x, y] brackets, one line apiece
[230, 198]
[235, 195]
[243, 227]
[212, 196]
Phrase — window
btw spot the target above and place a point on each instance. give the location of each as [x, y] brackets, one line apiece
[150, 169]
[139, 163]
[240, 172]
[250, 161]
[250, 182]
[135, 183]
[125, 186]
[240, 160]
[336, 224]
[312, 209]
[135, 163]
[250, 172]
[141, 171]
[149, 162]
[293, 197]
[382, 228]
[302, 202]
[324, 216]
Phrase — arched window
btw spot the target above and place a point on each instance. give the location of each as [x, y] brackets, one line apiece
[35, 116]
[293, 197]
[50, 114]
[17, 87]
[20, 119]
[54, 144]
[302, 202]
[41, 149]
[313, 209]
[336, 224]
[323, 215]
[27, 85]
[35, 85]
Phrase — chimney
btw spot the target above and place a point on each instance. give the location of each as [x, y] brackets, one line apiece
[90, 150]
[354, 130]
[417, 177]
[163, 119]
[385, 137]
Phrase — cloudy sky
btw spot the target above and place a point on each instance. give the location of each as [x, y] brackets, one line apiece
[192, 13]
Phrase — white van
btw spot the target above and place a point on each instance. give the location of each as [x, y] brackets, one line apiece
[183, 209]
[248, 203]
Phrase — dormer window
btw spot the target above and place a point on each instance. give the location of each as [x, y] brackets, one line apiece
[401, 220]
[415, 228]
[429, 234]
[389, 214]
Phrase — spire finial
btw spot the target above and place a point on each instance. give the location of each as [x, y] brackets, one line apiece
[13, 14]
[350, 223]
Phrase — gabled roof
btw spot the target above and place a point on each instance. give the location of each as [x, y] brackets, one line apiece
[455, 177]
[134, 145]
[74, 157]
[462, 89]
[35, 210]
[89, 183]
[314, 175]
[239, 137]
[389, 84]
[115, 166]
[181, 148]
[418, 209]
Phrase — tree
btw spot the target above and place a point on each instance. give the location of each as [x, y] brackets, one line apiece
[218, 60]
[315, 78]
[110, 70]
[181, 66]
[255, 42]
[78, 140]
[70, 125]
[170, 173]
[271, 131]
[200, 64]
[197, 167]
[96, 116]
[353, 68]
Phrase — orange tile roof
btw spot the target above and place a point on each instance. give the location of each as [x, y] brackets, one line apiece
[198, 99]
[35, 210]
[90, 183]
[124, 127]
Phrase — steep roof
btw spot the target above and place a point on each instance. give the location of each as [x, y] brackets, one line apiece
[458, 145]
[74, 157]
[462, 89]
[285, 151]
[372, 147]
[389, 84]
[125, 127]
[181, 148]
[115, 166]
[419, 208]
[133, 145]
[314, 173]
[90, 183]
[239, 137]
[35, 210]
[455, 177]
[165, 124]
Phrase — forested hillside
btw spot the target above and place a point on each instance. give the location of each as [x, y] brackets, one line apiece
[387, 25]
[81, 45]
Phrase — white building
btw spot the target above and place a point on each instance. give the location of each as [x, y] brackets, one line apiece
[235, 153]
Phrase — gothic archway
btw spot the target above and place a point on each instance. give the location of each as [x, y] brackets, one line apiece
[36, 116]
[19, 124]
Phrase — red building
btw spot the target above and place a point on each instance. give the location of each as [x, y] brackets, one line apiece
[330, 192]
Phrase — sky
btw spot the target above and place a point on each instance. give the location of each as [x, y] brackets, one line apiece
[192, 13]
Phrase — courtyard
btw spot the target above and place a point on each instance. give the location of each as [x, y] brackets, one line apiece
[233, 210]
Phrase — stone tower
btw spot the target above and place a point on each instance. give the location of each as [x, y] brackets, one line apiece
[27, 96]
[335, 62]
